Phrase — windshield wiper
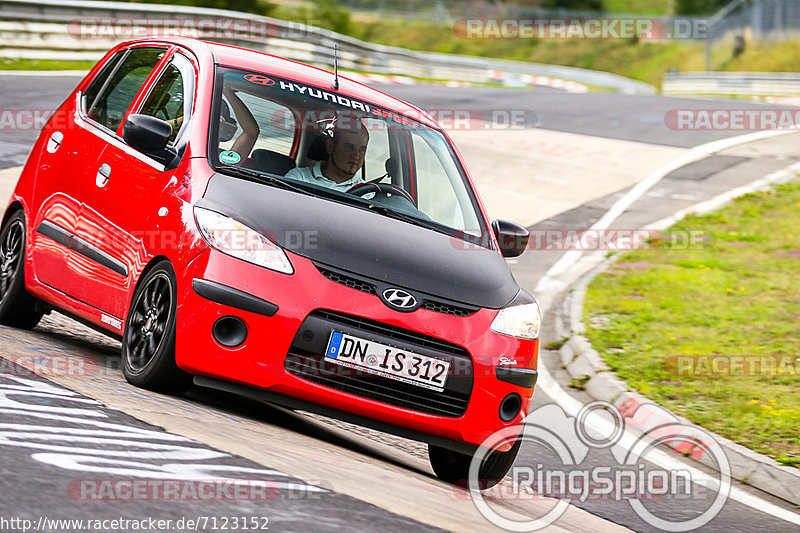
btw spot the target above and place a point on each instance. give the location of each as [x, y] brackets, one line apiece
[266, 179]
[405, 217]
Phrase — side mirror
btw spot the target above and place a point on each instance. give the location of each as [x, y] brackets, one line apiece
[512, 237]
[150, 136]
[147, 134]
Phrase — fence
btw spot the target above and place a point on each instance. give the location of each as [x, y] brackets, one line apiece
[758, 20]
[46, 29]
[744, 21]
[732, 83]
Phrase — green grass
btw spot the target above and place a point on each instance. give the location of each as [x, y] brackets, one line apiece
[44, 64]
[640, 60]
[556, 345]
[736, 292]
[579, 383]
[641, 7]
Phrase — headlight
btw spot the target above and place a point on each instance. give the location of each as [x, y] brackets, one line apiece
[234, 238]
[522, 321]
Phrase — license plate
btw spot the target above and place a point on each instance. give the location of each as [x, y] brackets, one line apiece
[387, 361]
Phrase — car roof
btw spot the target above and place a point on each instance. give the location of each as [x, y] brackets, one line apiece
[235, 56]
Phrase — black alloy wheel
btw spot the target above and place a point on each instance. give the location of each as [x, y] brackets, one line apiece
[148, 344]
[17, 308]
[453, 467]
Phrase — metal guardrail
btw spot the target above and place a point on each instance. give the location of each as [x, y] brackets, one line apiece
[53, 29]
[733, 83]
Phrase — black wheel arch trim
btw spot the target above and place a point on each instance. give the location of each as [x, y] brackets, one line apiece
[222, 294]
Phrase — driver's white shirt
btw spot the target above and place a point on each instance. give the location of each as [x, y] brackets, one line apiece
[314, 175]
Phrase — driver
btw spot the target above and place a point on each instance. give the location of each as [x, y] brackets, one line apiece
[346, 150]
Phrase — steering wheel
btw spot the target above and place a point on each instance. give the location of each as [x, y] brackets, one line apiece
[381, 188]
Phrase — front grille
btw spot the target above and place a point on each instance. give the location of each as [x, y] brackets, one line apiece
[353, 283]
[440, 307]
[306, 360]
[371, 288]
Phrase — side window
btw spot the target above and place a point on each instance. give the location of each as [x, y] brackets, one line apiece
[99, 81]
[116, 96]
[170, 99]
[378, 147]
[436, 196]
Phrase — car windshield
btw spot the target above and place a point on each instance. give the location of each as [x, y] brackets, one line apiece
[340, 148]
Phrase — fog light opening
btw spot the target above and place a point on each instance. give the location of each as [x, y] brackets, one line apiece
[229, 331]
[510, 406]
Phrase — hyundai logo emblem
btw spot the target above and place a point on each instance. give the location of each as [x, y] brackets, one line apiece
[399, 298]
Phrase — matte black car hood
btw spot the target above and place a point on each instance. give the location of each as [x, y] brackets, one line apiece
[366, 243]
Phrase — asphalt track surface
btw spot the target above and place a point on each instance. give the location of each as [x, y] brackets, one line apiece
[33, 488]
[69, 432]
[617, 116]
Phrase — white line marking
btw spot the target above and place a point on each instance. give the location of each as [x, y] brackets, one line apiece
[569, 258]
[779, 176]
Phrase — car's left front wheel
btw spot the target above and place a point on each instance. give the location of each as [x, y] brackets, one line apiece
[148, 343]
[453, 467]
[17, 308]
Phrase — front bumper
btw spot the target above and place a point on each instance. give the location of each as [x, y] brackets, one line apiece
[289, 319]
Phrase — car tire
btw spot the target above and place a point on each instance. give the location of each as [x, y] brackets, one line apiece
[453, 467]
[148, 342]
[17, 308]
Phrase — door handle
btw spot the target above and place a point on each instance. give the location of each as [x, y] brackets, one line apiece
[102, 175]
[54, 141]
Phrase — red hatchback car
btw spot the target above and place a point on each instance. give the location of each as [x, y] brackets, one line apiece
[253, 224]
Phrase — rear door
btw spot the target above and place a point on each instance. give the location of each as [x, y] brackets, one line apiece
[67, 163]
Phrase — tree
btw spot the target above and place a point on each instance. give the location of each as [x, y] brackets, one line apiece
[258, 7]
[699, 7]
[574, 5]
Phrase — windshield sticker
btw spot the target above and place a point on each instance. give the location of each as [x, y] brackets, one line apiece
[230, 157]
[319, 94]
[259, 80]
[332, 98]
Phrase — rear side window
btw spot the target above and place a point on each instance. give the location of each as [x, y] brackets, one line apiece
[97, 83]
[115, 96]
[276, 123]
